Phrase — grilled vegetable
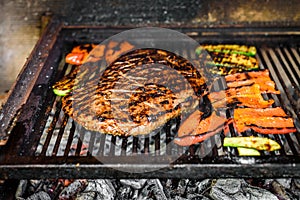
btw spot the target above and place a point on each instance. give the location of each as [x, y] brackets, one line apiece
[61, 92]
[264, 130]
[66, 84]
[247, 75]
[194, 125]
[224, 64]
[93, 53]
[248, 152]
[258, 112]
[227, 59]
[266, 86]
[248, 96]
[194, 129]
[79, 54]
[258, 143]
[193, 139]
[230, 61]
[249, 78]
[228, 48]
[265, 121]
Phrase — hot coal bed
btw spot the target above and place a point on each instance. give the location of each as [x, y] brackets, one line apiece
[49, 156]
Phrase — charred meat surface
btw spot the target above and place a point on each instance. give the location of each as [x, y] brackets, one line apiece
[136, 94]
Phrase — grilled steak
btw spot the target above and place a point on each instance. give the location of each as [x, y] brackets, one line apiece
[136, 94]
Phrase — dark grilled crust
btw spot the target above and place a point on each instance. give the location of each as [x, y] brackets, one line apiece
[136, 94]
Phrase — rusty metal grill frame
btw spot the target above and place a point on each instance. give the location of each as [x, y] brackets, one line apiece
[31, 101]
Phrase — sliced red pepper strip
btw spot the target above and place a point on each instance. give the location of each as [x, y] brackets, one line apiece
[247, 75]
[190, 124]
[193, 139]
[259, 112]
[272, 130]
[248, 78]
[265, 121]
[75, 58]
[194, 125]
[249, 96]
[266, 85]
[79, 54]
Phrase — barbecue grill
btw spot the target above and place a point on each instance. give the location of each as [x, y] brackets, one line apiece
[32, 117]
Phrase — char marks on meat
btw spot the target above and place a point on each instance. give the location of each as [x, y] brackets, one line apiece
[138, 93]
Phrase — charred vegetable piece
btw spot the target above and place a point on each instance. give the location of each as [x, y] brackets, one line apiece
[194, 125]
[263, 130]
[265, 121]
[228, 48]
[224, 64]
[61, 92]
[195, 129]
[193, 139]
[249, 78]
[66, 84]
[276, 125]
[93, 53]
[222, 70]
[79, 54]
[258, 143]
[248, 96]
[248, 152]
[224, 59]
[258, 112]
[247, 75]
[266, 86]
[234, 60]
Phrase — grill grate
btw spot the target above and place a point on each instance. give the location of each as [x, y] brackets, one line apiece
[44, 142]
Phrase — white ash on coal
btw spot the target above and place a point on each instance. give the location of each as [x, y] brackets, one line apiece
[98, 189]
[159, 189]
[71, 191]
[134, 183]
[239, 189]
